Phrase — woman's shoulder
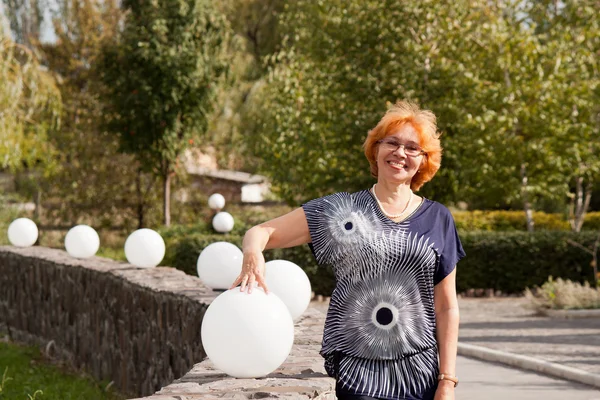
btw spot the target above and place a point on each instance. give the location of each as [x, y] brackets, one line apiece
[437, 209]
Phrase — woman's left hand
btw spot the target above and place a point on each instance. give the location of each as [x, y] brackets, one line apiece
[445, 391]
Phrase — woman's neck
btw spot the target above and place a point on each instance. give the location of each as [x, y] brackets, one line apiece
[394, 195]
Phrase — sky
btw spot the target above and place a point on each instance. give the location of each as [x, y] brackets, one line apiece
[47, 32]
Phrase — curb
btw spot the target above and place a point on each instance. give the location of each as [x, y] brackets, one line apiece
[572, 314]
[530, 364]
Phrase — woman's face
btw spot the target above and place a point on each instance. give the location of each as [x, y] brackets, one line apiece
[392, 162]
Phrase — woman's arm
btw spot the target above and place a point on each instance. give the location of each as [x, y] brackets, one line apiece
[286, 231]
[447, 320]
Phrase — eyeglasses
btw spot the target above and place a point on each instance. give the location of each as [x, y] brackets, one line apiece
[410, 149]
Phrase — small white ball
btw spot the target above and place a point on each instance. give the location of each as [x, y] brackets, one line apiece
[223, 222]
[290, 283]
[82, 241]
[22, 232]
[145, 248]
[216, 201]
[219, 264]
[247, 335]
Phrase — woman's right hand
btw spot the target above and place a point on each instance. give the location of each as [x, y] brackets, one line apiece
[253, 271]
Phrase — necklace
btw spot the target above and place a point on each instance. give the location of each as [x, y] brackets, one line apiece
[392, 216]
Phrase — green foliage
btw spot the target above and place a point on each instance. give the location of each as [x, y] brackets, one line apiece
[506, 221]
[29, 374]
[92, 183]
[512, 261]
[563, 294]
[29, 107]
[505, 261]
[592, 221]
[504, 89]
[183, 252]
[162, 76]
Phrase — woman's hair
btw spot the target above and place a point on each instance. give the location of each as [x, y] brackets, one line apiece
[424, 122]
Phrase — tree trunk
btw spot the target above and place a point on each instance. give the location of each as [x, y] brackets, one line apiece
[167, 197]
[37, 213]
[580, 204]
[140, 200]
[525, 197]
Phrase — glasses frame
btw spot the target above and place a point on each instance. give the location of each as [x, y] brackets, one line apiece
[421, 153]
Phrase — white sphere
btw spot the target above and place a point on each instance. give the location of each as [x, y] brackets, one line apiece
[216, 201]
[219, 264]
[290, 283]
[145, 248]
[223, 222]
[22, 232]
[82, 241]
[247, 335]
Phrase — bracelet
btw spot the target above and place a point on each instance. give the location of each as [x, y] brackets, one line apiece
[448, 377]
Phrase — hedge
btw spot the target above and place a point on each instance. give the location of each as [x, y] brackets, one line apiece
[183, 254]
[515, 221]
[504, 261]
[513, 261]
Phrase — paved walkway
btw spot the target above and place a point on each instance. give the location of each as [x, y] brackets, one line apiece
[507, 324]
[486, 381]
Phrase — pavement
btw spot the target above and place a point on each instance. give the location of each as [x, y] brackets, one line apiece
[515, 353]
[487, 381]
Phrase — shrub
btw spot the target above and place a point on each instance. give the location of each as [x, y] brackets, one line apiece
[183, 254]
[504, 261]
[507, 221]
[513, 261]
[564, 295]
[592, 221]
[515, 221]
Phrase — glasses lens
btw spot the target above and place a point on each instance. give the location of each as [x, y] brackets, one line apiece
[410, 149]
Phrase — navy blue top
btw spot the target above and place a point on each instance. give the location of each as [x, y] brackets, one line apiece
[379, 338]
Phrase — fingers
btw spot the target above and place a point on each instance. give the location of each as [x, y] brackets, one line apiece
[251, 282]
[236, 282]
[244, 282]
[262, 283]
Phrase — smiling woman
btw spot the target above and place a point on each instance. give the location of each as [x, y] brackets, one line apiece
[392, 326]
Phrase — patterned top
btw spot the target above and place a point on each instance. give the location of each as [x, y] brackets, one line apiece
[379, 338]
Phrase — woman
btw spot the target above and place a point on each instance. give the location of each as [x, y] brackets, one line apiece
[391, 330]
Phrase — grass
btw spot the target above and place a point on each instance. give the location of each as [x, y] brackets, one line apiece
[25, 371]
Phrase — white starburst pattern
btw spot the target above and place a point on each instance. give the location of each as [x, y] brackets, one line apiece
[385, 315]
[404, 378]
[344, 229]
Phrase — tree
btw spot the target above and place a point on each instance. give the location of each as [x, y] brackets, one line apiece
[341, 63]
[93, 182]
[492, 76]
[29, 107]
[162, 75]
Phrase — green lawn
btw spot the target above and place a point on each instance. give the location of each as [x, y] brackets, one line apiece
[26, 371]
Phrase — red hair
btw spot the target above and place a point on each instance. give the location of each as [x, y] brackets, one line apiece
[424, 122]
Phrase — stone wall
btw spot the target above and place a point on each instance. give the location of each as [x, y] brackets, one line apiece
[301, 377]
[139, 328]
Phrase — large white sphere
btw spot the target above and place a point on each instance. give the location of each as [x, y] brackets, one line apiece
[290, 283]
[247, 335]
[216, 201]
[219, 264]
[223, 222]
[145, 248]
[22, 232]
[82, 241]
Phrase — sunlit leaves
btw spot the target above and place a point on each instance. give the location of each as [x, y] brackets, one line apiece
[29, 107]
